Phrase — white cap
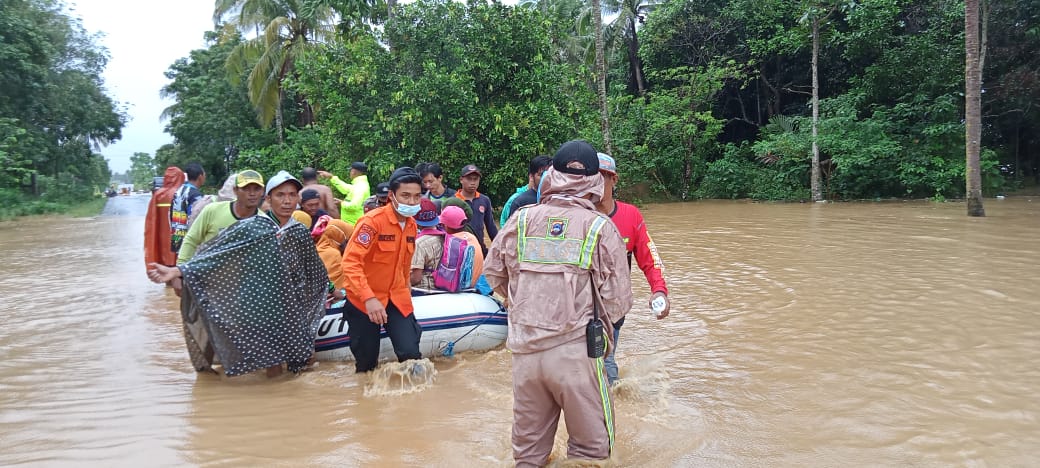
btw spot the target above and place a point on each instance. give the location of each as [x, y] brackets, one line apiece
[280, 178]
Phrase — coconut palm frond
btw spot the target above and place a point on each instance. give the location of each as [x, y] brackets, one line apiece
[242, 56]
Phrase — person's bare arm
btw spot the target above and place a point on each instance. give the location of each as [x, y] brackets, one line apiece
[162, 273]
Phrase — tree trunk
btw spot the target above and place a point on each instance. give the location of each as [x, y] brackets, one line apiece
[601, 76]
[814, 182]
[278, 120]
[972, 108]
[634, 61]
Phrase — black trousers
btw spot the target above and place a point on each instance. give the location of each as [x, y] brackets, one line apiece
[364, 336]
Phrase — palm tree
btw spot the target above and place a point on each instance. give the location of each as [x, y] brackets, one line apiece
[571, 36]
[287, 29]
[629, 14]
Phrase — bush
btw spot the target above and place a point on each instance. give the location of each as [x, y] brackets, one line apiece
[738, 175]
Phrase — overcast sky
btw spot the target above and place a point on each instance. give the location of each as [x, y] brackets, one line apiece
[143, 38]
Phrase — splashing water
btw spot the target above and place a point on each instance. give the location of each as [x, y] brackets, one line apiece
[401, 378]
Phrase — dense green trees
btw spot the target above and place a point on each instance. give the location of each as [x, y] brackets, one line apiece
[705, 98]
[210, 119]
[54, 112]
[142, 170]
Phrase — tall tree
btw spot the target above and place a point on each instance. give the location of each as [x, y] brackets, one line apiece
[972, 108]
[601, 76]
[55, 111]
[628, 15]
[818, 13]
[209, 116]
[290, 27]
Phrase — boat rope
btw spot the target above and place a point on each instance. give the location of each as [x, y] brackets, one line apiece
[449, 349]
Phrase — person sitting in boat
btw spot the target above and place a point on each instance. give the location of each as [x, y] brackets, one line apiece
[303, 218]
[442, 261]
[454, 220]
[376, 265]
[429, 246]
[480, 283]
[310, 203]
[330, 245]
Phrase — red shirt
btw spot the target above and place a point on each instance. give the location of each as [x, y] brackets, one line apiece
[630, 224]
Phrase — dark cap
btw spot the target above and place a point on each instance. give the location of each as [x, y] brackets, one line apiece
[309, 194]
[469, 169]
[576, 157]
[382, 190]
[401, 173]
[358, 165]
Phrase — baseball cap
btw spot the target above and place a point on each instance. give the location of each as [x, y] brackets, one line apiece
[606, 163]
[453, 217]
[576, 153]
[427, 216]
[358, 165]
[280, 178]
[309, 194]
[382, 190]
[247, 177]
[469, 169]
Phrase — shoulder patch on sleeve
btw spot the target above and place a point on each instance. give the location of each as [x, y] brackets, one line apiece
[366, 234]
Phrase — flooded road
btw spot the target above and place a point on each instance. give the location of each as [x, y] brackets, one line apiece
[857, 334]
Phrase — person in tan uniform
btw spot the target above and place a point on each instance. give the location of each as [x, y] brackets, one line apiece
[560, 264]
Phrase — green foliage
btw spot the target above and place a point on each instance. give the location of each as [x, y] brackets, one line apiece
[725, 113]
[142, 170]
[739, 175]
[54, 109]
[290, 28]
[457, 84]
[210, 120]
[666, 139]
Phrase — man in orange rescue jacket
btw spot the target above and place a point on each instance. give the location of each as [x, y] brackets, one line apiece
[376, 266]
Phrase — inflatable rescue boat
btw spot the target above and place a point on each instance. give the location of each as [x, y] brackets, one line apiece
[451, 323]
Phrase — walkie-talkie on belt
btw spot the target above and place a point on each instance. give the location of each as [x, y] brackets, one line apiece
[595, 339]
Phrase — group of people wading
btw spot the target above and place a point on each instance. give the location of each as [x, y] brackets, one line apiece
[256, 282]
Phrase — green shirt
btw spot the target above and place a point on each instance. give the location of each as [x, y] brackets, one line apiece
[354, 195]
[213, 219]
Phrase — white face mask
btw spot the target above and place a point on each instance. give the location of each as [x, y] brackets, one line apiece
[406, 210]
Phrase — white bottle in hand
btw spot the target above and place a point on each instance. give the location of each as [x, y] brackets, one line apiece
[657, 306]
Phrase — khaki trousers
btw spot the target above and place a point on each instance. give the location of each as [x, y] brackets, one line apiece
[561, 378]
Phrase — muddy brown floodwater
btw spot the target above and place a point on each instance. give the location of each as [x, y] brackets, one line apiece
[851, 334]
